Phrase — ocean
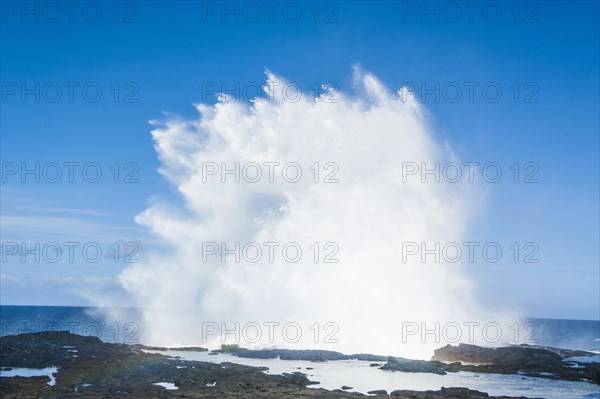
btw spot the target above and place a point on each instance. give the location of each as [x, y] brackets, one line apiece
[112, 325]
[124, 325]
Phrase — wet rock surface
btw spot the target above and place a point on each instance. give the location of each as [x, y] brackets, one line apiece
[420, 366]
[89, 368]
[311, 355]
[100, 370]
[526, 360]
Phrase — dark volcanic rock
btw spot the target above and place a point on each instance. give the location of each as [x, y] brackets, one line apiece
[419, 366]
[368, 357]
[312, 355]
[464, 393]
[22, 387]
[510, 355]
[378, 392]
[111, 370]
[521, 359]
[89, 368]
[562, 352]
[592, 372]
[47, 349]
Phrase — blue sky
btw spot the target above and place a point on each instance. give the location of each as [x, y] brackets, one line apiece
[167, 53]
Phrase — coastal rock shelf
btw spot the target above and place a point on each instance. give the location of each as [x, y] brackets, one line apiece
[531, 361]
[89, 368]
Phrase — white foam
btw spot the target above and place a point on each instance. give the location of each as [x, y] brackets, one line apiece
[169, 386]
[29, 372]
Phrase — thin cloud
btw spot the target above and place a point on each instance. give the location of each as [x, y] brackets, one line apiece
[56, 228]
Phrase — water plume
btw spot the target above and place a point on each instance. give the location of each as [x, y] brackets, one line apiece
[362, 303]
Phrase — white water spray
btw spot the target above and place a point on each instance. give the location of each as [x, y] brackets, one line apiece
[367, 299]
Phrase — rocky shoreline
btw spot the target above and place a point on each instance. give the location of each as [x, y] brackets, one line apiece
[90, 368]
[530, 361]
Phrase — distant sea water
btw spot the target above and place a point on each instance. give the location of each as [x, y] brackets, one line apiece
[112, 325]
[124, 325]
